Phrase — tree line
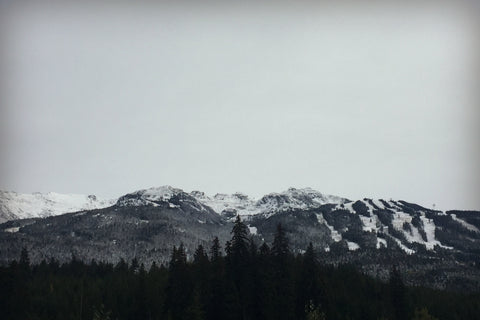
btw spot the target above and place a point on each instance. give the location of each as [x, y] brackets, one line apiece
[239, 281]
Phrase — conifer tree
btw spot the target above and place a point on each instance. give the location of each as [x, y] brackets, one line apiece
[179, 288]
[309, 285]
[239, 243]
[201, 272]
[215, 252]
[200, 256]
[280, 246]
[264, 250]
[238, 263]
[216, 307]
[398, 294]
[284, 301]
[24, 261]
[21, 277]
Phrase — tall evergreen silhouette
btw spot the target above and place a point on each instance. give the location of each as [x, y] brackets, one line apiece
[309, 285]
[283, 285]
[179, 290]
[269, 283]
[398, 294]
[238, 266]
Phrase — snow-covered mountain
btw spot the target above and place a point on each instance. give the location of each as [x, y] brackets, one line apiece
[243, 205]
[147, 223]
[15, 205]
[356, 224]
[230, 205]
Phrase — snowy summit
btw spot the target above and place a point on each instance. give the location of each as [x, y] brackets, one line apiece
[15, 205]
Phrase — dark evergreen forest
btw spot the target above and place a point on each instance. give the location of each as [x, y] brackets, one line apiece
[247, 282]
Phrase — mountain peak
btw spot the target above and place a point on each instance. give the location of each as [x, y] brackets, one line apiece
[294, 198]
[149, 196]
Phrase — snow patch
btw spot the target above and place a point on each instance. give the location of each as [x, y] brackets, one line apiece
[381, 242]
[379, 204]
[464, 223]
[336, 236]
[399, 218]
[352, 246]
[429, 228]
[347, 206]
[369, 224]
[403, 247]
[253, 230]
[370, 208]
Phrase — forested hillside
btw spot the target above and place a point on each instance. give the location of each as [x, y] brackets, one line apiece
[247, 283]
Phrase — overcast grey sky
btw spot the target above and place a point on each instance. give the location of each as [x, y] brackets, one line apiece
[358, 101]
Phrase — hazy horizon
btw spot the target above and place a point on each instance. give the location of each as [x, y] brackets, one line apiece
[356, 100]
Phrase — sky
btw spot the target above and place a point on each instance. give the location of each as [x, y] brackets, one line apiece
[357, 100]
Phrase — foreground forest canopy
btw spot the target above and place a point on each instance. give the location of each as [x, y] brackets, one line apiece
[247, 282]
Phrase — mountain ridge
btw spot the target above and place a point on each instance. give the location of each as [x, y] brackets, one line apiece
[14, 205]
[147, 223]
[406, 224]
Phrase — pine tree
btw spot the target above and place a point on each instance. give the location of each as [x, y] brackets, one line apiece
[200, 257]
[309, 285]
[201, 272]
[284, 301]
[264, 250]
[264, 283]
[398, 294]
[238, 266]
[280, 247]
[216, 307]
[24, 261]
[228, 249]
[134, 266]
[179, 288]
[140, 297]
[21, 295]
[239, 243]
[215, 253]
[237, 253]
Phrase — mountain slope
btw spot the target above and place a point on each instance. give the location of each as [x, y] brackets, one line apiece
[140, 224]
[241, 204]
[357, 224]
[442, 248]
[15, 205]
